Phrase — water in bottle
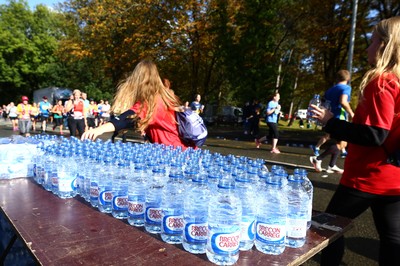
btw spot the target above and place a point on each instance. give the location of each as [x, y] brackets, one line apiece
[245, 191]
[153, 215]
[315, 101]
[308, 186]
[195, 213]
[137, 196]
[172, 208]
[120, 190]
[67, 176]
[297, 217]
[105, 185]
[271, 217]
[224, 218]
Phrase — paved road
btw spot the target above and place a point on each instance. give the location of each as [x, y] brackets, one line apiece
[362, 240]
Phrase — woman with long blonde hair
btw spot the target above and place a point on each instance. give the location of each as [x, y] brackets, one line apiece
[371, 177]
[152, 107]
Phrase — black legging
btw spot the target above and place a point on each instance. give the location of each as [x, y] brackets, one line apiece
[351, 203]
[74, 124]
[334, 151]
[273, 130]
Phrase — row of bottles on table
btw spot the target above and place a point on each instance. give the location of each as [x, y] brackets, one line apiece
[210, 203]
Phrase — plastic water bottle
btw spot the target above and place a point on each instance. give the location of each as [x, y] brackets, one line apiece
[195, 216]
[105, 185]
[315, 101]
[94, 183]
[297, 217]
[67, 177]
[271, 217]
[172, 208]
[308, 186]
[224, 218]
[245, 191]
[137, 196]
[153, 215]
[120, 191]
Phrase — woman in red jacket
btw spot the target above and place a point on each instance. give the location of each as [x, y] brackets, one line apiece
[153, 106]
[371, 179]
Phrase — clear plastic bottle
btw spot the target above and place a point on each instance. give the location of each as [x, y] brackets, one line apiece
[271, 217]
[153, 215]
[67, 177]
[315, 101]
[172, 208]
[224, 218]
[120, 191]
[308, 186]
[105, 185]
[137, 196]
[245, 191]
[195, 216]
[94, 183]
[297, 216]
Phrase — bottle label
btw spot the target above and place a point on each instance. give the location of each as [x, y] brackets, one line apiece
[153, 215]
[135, 209]
[120, 203]
[271, 233]
[94, 191]
[296, 228]
[248, 230]
[173, 224]
[66, 185]
[196, 233]
[225, 244]
[54, 181]
[105, 197]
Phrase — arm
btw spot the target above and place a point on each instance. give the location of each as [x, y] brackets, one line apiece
[94, 133]
[354, 133]
[69, 106]
[346, 106]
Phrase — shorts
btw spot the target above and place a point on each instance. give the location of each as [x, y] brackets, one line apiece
[106, 118]
[90, 122]
[13, 117]
[58, 121]
[43, 118]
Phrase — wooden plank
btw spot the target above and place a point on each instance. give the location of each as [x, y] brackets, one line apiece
[71, 232]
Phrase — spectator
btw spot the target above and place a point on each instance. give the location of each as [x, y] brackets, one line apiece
[246, 117]
[92, 114]
[152, 104]
[370, 178]
[24, 116]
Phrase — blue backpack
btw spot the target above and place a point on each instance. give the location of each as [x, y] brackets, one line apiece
[192, 129]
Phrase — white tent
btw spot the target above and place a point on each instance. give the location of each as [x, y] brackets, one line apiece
[53, 94]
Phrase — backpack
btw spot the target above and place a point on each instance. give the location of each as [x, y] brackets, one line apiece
[191, 127]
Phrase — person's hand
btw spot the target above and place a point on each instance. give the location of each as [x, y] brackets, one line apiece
[92, 134]
[321, 114]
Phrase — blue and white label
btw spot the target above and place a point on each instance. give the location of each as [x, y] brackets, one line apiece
[153, 215]
[248, 231]
[66, 185]
[271, 233]
[225, 244]
[173, 224]
[196, 233]
[136, 209]
[120, 203]
[105, 197]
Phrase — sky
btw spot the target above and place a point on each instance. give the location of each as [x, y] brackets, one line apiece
[33, 3]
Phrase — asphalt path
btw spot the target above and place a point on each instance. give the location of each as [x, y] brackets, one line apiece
[362, 243]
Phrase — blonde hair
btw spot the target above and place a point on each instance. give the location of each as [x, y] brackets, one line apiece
[144, 85]
[388, 55]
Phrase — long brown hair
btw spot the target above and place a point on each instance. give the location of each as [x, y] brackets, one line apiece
[144, 85]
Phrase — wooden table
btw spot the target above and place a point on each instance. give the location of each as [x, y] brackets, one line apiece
[71, 232]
